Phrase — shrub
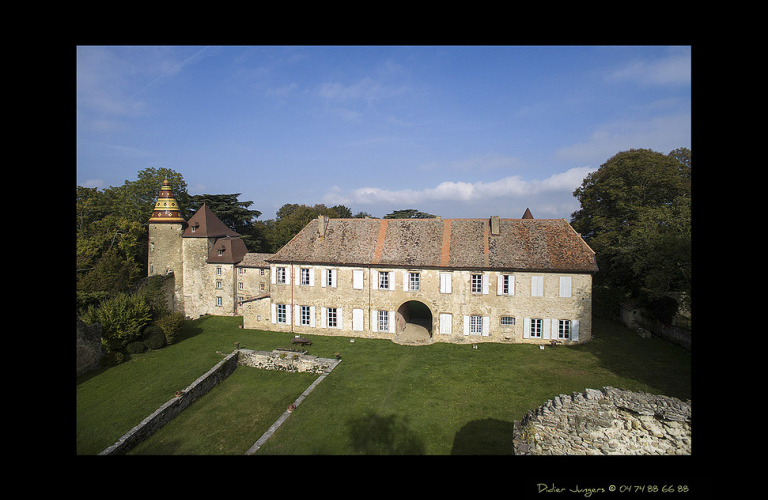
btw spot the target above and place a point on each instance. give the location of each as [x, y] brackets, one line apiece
[122, 318]
[170, 324]
[135, 347]
[154, 337]
[112, 359]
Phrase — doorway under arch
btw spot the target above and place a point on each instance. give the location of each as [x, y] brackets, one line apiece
[414, 322]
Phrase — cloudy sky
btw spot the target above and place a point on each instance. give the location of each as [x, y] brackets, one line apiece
[456, 131]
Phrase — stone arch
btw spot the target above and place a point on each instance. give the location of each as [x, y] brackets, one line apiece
[418, 314]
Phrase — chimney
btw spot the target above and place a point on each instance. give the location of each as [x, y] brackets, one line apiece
[322, 224]
[495, 225]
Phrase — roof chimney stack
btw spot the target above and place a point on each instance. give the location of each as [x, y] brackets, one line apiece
[322, 224]
[495, 225]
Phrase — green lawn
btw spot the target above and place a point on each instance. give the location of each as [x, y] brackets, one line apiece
[382, 399]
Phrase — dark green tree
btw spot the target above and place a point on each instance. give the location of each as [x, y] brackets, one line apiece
[635, 214]
[410, 213]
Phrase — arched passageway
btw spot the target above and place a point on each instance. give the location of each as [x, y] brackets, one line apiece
[414, 322]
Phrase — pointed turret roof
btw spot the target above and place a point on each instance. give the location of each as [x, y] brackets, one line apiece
[166, 208]
[205, 224]
[527, 214]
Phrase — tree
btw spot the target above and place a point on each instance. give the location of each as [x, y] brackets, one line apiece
[410, 213]
[635, 214]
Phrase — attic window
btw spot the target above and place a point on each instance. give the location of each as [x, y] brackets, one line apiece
[221, 252]
[194, 226]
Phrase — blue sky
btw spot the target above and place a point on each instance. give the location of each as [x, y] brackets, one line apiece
[456, 131]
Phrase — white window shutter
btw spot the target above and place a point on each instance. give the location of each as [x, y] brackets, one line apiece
[311, 276]
[445, 282]
[287, 314]
[499, 284]
[547, 328]
[486, 326]
[274, 313]
[287, 275]
[357, 279]
[555, 328]
[406, 279]
[446, 326]
[333, 278]
[392, 321]
[485, 284]
[526, 328]
[272, 275]
[357, 320]
[565, 286]
[339, 321]
[575, 329]
[312, 320]
[324, 278]
[323, 316]
[297, 317]
[511, 284]
[374, 279]
[374, 321]
[537, 286]
[466, 325]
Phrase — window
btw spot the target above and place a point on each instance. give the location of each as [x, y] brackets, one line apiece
[239, 285]
[383, 321]
[281, 318]
[505, 285]
[240, 271]
[221, 252]
[330, 274]
[383, 281]
[507, 321]
[477, 283]
[536, 327]
[564, 329]
[218, 284]
[565, 286]
[306, 318]
[357, 279]
[218, 301]
[445, 282]
[281, 275]
[537, 286]
[415, 279]
[332, 317]
[305, 276]
[261, 287]
[262, 271]
[218, 271]
[240, 301]
[475, 325]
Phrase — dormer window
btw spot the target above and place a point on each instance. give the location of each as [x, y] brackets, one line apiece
[221, 252]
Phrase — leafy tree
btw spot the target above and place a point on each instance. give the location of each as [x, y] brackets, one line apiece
[635, 214]
[409, 213]
[122, 319]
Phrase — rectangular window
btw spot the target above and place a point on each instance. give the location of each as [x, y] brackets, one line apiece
[383, 321]
[564, 329]
[262, 272]
[239, 285]
[218, 284]
[415, 279]
[329, 275]
[218, 271]
[565, 286]
[240, 271]
[261, 287]
[537, 286]
[218, 301]
[305, 276]
[536, 327]
[477, 283]
[357, 279]
[506, 285]
[383, 281]
[281, 275]
[475, 325]
[281, 313]
[332, 317]
[507, 321]
[240, 301]
[305, 316]
[445, 282]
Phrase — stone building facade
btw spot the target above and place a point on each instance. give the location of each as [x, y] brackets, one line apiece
[461, 280]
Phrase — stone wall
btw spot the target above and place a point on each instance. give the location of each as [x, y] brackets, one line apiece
[606, 422]
[282, 360]
[89, 349]
[174, 406]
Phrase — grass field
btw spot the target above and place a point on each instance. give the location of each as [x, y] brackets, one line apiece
[383, 398]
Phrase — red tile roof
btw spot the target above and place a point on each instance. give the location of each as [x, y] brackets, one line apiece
[522, 244]
[205, 224]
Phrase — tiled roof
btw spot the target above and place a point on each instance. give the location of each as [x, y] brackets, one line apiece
[205, 224]
[255, 260]
[232, 250]
[521, 244]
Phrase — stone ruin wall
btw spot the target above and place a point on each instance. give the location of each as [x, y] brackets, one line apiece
[606, 422]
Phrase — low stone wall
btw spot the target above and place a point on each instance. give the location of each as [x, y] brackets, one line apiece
[174, 406]
[606, 422]
[289, 361]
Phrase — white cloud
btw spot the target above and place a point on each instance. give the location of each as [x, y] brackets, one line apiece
[674, 69]
[553, 194]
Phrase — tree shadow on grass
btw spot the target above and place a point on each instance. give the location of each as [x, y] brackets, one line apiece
[378, 435]
[484, 437]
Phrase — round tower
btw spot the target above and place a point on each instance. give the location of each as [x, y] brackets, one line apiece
[166, 226]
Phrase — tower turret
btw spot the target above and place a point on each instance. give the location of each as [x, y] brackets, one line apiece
[165, 252]
[166, 208]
